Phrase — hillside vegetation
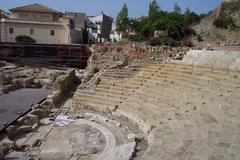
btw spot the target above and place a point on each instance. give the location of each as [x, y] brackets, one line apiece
[185, 28]
[159, 27]
[220, 26]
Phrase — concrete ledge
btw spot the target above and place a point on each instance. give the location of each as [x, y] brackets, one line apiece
[214, 59]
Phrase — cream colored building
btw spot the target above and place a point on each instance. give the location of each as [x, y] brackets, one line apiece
[2, 15]
[40, 22]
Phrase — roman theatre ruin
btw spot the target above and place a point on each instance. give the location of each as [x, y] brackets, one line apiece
[151, 104]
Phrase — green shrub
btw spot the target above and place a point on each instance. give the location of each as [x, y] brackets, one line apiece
[186, 31]
[24, 39]
[136, 38]
[187, 42]
[154, 41]
[169, 41]
[233, 27]
[222, 22]
[199, 38]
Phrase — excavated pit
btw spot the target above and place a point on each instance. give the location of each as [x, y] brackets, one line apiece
[27, 96]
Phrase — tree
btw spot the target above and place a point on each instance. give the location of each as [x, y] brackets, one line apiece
[154, 11]
[122, 20]
[190, 17]
[222, 22]
[147, 30]
[173, 29]
[173, 25]
[154, 14]
[177, 9]
[188, 11]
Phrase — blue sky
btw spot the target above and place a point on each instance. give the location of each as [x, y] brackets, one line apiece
[112, 7]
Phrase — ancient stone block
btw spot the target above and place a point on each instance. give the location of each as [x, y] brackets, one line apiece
[11, 130]
[24, 129]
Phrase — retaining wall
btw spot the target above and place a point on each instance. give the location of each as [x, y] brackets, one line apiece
[229, 60]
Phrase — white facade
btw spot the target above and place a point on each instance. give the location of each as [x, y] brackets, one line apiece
[115, 36]
[42, 32]
[99, 28]
[48, 26]
[37, 21]
[94, 28]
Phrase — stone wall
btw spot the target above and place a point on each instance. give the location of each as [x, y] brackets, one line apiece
[160, 52]
[63, 82]
[14, 77]
[103, 58]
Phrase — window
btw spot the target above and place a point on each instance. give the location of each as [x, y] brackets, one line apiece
[31, 31]
[11, 30]
[52, 33]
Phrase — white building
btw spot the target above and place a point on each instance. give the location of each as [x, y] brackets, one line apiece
[114, 35]
[99, 28]
[2, 15]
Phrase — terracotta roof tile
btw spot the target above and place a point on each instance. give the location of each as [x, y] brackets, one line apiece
[34, 8]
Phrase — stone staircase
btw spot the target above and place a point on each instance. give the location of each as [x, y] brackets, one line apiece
[185, 111]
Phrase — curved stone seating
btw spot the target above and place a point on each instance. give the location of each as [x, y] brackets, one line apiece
[185, 111]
